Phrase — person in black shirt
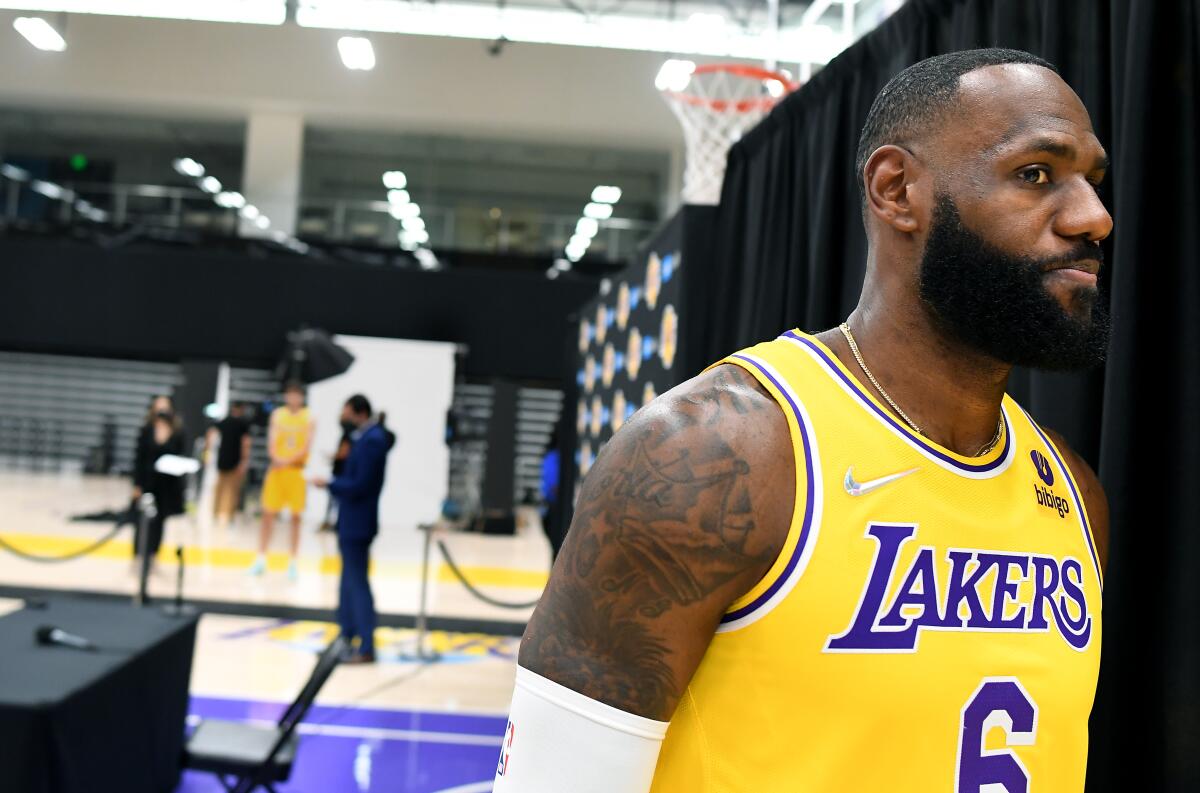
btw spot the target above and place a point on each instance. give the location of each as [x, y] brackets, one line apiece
[162, 433]
[232, 434]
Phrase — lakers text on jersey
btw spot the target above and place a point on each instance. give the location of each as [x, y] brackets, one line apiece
[933, 622]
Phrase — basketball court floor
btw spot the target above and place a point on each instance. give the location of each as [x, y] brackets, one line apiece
[403, 724]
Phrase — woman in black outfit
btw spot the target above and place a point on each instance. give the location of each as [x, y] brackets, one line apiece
[162, 433]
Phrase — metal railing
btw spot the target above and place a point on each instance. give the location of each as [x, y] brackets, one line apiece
[324, 220]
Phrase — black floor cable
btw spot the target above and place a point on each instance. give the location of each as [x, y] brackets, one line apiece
[462, 579]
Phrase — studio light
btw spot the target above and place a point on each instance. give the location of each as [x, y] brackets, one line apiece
[413, 224]
[606, 194]
[674, 75]
[250, 212]
[40, 34]
[395, 180]
[14, 173]
[402, 211]
[357, 53]
[210, 184]
[186, 166]
[587, 227]
[598, 211]
[398, 196]
[230, 200]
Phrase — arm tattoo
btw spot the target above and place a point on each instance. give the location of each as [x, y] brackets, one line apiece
[663, 537]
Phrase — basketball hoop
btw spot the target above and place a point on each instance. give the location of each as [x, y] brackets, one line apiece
[716, 104]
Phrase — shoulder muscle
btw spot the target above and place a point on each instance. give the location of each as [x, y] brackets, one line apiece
[684, 511]
[1091, 491]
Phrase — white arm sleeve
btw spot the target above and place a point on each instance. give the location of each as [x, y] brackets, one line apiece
[558, 740]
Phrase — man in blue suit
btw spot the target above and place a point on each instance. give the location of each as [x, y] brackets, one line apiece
[357, 489]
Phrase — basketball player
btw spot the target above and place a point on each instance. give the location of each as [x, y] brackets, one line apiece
[288, 439]
[849, 562]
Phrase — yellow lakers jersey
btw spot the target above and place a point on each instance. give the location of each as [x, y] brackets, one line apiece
[932, 624]
[291, 433]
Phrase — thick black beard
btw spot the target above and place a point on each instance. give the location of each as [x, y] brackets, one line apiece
[997, 303]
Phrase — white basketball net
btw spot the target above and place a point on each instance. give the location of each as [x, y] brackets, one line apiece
[715, 105]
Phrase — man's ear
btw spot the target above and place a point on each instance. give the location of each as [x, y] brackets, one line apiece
[888, 178]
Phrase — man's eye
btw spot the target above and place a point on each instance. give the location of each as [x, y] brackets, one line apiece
[1036, 176]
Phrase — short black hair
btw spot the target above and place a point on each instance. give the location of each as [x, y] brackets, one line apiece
[293, 385]
[360, 405]
[914, 100]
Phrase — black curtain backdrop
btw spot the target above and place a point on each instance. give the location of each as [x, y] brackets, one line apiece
[790, 251]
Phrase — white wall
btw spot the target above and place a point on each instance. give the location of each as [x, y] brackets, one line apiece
[413, 382]
[421, 84]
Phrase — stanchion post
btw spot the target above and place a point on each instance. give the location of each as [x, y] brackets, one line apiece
[177, 607]
[422, 653]
[147, 510]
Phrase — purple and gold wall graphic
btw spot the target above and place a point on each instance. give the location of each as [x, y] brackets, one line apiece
[628, 345]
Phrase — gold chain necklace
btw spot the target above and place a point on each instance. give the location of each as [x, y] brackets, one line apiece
[887, 397]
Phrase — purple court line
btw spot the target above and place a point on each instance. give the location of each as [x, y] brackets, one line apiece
[357, 755]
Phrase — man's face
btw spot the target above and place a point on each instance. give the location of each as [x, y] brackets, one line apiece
[1011, 253]
[294, 398]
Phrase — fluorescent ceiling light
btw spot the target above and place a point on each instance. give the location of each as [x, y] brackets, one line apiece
[413, 224]
[48, 189]
[402, 211]
[587, 227]
[426, 258]
[395, 180]
[210, 184]
[562, 264]
[606, 194]
[414, 237]
[14, 173]
[186, 166]
[542, 25]
[574, 254]
[579, 241]
[598, 211]
[249, 212]
[40, 34]
[398, 196]
[357, 53]
[255, 12]
[262, 221]
[230, 200]
[674, 75]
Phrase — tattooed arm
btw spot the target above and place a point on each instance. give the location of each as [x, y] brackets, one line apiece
[684, 511]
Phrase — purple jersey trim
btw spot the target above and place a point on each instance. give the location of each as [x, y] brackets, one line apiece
[770, 591]
[883, 414]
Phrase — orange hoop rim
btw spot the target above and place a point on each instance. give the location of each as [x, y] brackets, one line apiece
[736, 105]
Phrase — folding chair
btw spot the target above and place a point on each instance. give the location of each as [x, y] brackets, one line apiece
[247, 756]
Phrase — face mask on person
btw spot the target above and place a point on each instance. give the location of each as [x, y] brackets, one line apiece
[348, 426]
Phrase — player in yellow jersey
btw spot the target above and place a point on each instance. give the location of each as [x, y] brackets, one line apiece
[849, 562]
[289, 437]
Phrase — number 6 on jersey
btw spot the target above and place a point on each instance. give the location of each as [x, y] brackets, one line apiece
[998, 702]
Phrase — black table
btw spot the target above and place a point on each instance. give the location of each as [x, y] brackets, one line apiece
[93, 722]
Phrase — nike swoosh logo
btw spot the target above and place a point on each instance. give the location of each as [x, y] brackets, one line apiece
[856, 488]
